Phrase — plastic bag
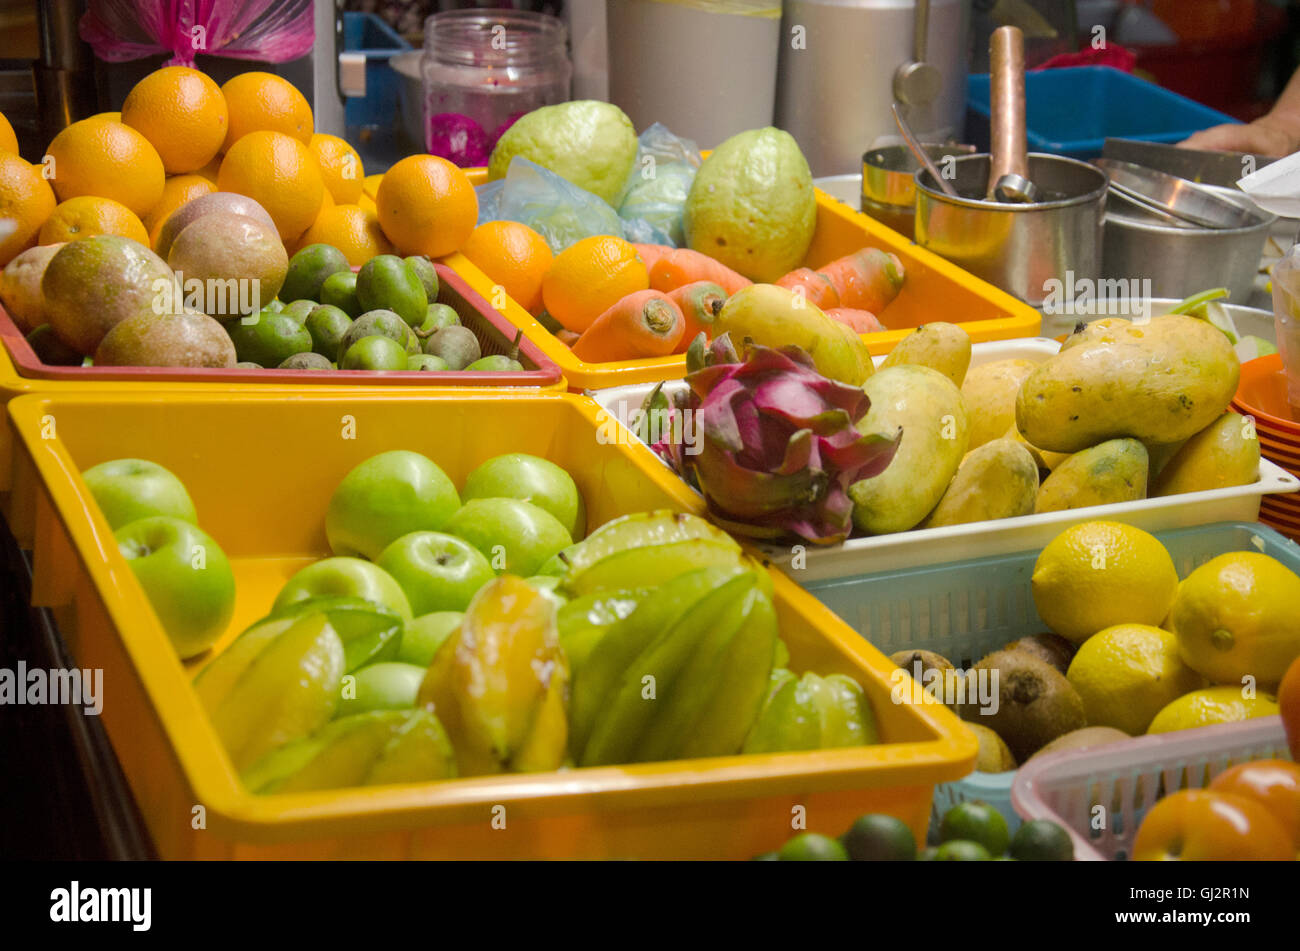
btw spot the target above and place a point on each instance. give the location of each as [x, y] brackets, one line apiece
[660, 181]
[273, 31]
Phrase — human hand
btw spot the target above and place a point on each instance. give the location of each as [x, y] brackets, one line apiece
[1264, 136]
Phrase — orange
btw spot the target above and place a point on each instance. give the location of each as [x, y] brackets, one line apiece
[210, 170]
[1288, 703]
[514, 256]
[26, 199]
[426, 205]
[341, 167]
[352, 230]
[107, 159]
[261, 102]
[183, 115]
[1199, 825]
[1274, 784]
[8, 141]
[177, 190]
[589, 277]
[87, 215]
[278, 173]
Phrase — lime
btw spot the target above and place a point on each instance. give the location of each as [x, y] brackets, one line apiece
[880, 838]
[976, 822]
[386, 282]
[340, 290]
[308, 269]
[962, 850]
[1041, 840]
[812, 847]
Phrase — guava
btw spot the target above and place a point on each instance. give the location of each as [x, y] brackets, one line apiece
[752, 205]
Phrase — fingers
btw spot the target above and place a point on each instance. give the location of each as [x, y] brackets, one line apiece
[1235, 137]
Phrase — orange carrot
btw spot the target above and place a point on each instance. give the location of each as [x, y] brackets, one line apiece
[683, 266]
[695, 301]
[644, 324]
[866, 280]
[862, 321]
[817, 287]
[650, 253]
[567, 337]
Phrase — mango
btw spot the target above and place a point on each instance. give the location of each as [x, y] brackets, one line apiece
[1114, 471]
[997, 480]
[775, 317]
[1223, 454]
[1162, 381]
[938, 345]
[929, 409]
[990, 392]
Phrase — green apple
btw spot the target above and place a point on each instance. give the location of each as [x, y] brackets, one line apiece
[186, 577]
[516, 536]
[130, 489]
[347, 577]
[518, 475]
[438, 572]
[424, 635]
[385, 686]
[385, 497]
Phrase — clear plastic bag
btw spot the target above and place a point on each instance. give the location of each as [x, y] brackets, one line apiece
[557, 209]
[660, 181]
[273, 31]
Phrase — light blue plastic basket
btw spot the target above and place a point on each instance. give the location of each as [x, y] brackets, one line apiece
[967, 609]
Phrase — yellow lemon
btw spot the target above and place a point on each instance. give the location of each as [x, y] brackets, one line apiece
[1127, 673]
[1212, 705]
[1099, 574]
[1239, 615]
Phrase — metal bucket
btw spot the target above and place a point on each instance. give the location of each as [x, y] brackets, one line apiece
[1029, 250]
[889, 182]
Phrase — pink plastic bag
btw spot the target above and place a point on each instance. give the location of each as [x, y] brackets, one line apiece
[271, 30]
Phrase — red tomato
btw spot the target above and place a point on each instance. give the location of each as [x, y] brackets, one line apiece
[1198, 825]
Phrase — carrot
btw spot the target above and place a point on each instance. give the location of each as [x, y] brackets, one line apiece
[644, 324]
[817, 287]
[866, 280]
[862, 321]
[650, 253]
[683, 266]
[695, 301]
[567, 337]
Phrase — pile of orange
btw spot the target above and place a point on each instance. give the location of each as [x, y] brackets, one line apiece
[589, 277]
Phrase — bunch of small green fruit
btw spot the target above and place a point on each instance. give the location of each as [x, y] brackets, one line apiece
[386, 316]
[969, 832]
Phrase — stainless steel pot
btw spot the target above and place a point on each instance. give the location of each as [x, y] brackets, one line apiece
[889, 182]
[1029, 250]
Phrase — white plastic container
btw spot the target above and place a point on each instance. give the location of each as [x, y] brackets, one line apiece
[1100, 796]
[928, 546]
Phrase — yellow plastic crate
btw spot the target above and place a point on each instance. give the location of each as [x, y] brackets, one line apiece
[260, 470]
[934, 289]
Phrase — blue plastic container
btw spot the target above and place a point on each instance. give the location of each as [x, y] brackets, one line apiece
[1071, 111]
[368, 34]
[966, 609]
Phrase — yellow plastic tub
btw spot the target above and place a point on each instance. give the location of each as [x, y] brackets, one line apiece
[260, 470]
[934, 289]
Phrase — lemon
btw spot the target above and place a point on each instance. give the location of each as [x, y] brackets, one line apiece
[1238, 615]
[1099, 574]
[1127, 673]
[1212, 705]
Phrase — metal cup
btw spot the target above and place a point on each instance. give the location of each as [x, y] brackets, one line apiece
[889, 182]
[1030, 250]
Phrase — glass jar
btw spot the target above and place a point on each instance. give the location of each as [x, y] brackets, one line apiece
[482, 70]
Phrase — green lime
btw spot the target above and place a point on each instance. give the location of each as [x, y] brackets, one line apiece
[1041, 840]
[386, 282]
[426, 272]
[976, 822]
[962, 850]
[927, 854]
[880, 838]
[267, 339]
[813, 847]
[308, 270]
[340, 290]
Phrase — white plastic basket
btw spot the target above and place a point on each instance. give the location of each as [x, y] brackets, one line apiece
[930, 546]
[1100, 796]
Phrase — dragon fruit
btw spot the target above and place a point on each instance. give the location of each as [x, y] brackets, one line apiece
[778, 447]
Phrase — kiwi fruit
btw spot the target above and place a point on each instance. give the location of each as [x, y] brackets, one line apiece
[1035, 703]
[928, 661]
[1084, 739]
[306, 361]
[994, 756]
[1053, 648]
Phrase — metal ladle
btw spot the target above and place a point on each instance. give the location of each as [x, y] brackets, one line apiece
[912, 143]
[1009, 166]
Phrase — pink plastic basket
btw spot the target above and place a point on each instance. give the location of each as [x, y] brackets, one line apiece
[1101, 795]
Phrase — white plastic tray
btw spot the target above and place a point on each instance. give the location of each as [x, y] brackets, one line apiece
[931, 546]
